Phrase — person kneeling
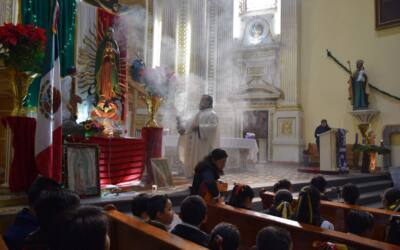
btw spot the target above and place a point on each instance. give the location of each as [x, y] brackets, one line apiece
[193, 215]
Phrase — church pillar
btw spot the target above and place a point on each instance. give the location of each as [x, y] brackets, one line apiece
[8, 14]
[8, 11]
[288, 135]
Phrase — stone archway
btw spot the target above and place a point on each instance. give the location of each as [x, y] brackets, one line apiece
[388, 131]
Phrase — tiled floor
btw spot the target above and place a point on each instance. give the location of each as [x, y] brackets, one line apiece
[260, 175]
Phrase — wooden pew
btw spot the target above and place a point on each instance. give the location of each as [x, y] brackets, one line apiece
[336, 213]
[3, 244]
[303, 235]
[127, 233]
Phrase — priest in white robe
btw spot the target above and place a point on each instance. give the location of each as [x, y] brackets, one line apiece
[198, 136]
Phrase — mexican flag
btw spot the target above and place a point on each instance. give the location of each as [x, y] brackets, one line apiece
[48, 142]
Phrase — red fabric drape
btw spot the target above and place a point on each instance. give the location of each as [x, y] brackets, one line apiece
[23, 168]
[120, 159]
[153, 140]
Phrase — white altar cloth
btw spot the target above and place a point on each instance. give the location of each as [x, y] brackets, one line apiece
[226, 143]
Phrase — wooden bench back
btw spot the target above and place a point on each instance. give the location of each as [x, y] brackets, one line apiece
[336, 213]
[3, 244]
[303, 235]
[128, 233]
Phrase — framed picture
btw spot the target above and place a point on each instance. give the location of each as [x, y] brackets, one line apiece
[82, 168]
[387, 13]
[161, 172]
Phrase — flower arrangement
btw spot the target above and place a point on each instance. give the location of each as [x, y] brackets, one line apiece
[91, 127]
[156, 81]
[370, 148]
[22, 47]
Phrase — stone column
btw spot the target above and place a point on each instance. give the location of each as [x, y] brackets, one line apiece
[8, 11]
[288, 141]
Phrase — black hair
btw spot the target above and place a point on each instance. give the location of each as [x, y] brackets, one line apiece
[282, 184]
[215, 155]
[273, 238]
[40, 184]
[84, 228]
[139, 204]
[52, 203]
[391, 195]
[319, 183]
[358, 222]
[224, 236]
[282, 204]
[308, 206]
[324, 121]
[393, 230]
[239, 194]
[218, 154]
[350, 193]
[193, 210]
[156, 204]
[283, 195]
[209, 99]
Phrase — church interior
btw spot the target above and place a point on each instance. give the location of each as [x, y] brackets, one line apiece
[199, 124]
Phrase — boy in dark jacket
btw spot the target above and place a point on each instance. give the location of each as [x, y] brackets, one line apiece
[193, 214]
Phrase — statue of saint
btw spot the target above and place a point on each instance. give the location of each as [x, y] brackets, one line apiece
[107, 68]
[358, 87]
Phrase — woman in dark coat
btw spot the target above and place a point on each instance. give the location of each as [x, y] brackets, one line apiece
[207, 173]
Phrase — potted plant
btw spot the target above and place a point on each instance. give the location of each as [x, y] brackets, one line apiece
[22, 49]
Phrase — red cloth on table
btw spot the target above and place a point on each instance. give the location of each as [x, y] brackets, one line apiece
[120, 159]
[23, 169]
[153, 140]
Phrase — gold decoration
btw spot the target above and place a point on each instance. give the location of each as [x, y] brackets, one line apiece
[153, 104]
[363, 127]
[20, 82]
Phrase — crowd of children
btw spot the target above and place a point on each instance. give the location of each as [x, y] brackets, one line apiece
[56, 220]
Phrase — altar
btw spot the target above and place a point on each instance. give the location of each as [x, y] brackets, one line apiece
[242, 153]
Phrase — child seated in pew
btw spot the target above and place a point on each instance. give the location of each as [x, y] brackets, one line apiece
[282, 184]
[273, 238]
[139, 206]
[160, 212]
[391, 199]
[350, 193]
[84, 228]
[320, 183]
[48, 206]
[308, 208]
[193, 214]
[25, 221]
[224, 236]
[242, 196]
[282, 206]
[360, 223]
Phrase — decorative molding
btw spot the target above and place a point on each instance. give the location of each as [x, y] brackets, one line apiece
[364, 116]
[211, 47]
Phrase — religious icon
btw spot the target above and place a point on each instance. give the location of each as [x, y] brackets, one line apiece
[107, 68]
[358, 87]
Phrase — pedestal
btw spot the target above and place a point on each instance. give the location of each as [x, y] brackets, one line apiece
[153, 143]
[23, 169]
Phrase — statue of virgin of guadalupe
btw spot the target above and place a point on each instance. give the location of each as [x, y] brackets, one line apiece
[106, 68]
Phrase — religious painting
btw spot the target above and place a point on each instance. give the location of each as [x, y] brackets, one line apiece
[387, 13]
[256, 122]
[82, 168]
[286, 127]
[161, 172]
